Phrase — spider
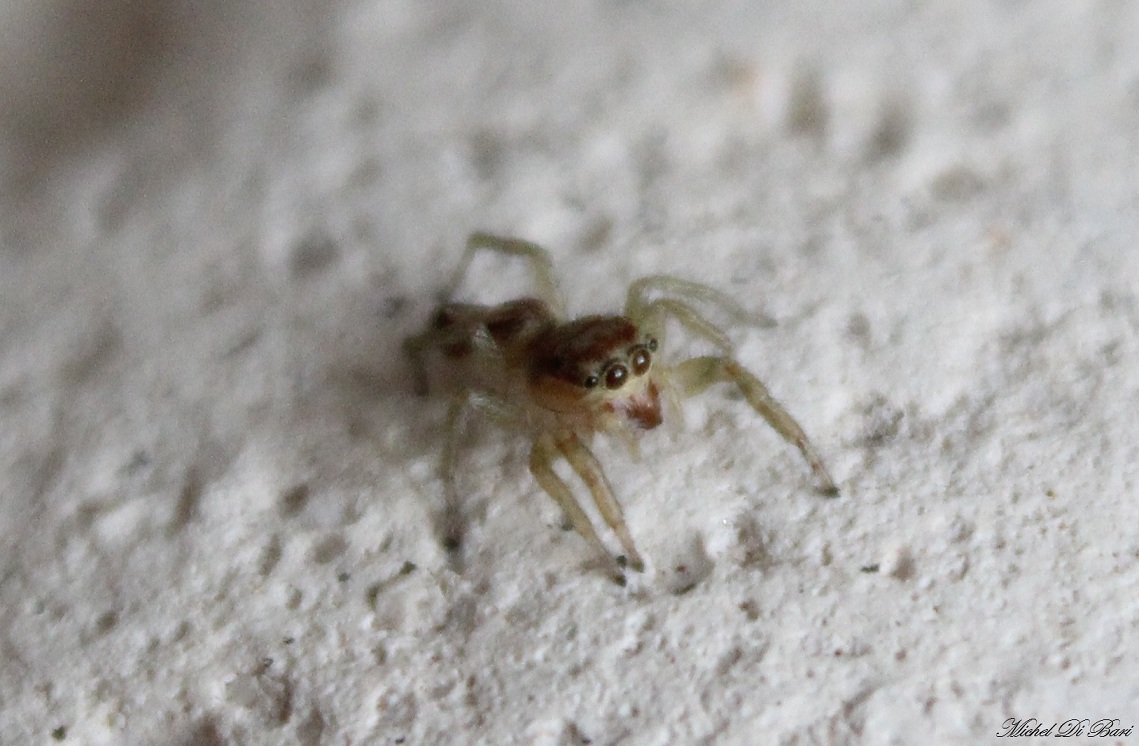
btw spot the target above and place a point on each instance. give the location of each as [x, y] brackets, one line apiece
[561, 381]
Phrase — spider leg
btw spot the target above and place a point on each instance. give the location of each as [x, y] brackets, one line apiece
[450, 520]
[539, 258]
[414, 348]
[545, 450]
[678, 302]
[651, 319]
[589, 469]
[449, 524]
[697, 374]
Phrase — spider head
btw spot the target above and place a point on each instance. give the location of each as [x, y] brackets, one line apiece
[597, 365]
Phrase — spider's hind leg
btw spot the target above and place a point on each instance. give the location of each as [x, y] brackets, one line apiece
[414, 349]
[696, 374]
[450, 522]
[539, 258]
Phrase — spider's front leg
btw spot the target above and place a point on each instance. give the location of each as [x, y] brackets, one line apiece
[697, 374]
[547, 448]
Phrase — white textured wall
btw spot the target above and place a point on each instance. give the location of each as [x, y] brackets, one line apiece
[216, 491]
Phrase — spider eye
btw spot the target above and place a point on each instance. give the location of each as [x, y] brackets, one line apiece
[591, 382]
[652, 344]
[615, 377]
[640, 360]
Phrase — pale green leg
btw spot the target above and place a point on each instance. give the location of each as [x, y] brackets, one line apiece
[650, 314]
[695, 375]
[656, 313]
[539, 258]
[414, 348]
[450, 526]
[450, 520]
[589, 469]
[542, 457]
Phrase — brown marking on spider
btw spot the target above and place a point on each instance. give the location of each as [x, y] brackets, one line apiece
[561, 381]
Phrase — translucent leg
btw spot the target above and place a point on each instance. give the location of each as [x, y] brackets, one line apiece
[695, 375]
[651, 320]
[450, 521]
[414, 348]
[542, 457]
[538, 257]
[680, 295]
[587, 467]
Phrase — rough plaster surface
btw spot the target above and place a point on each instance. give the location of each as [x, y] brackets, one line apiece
[218, 493]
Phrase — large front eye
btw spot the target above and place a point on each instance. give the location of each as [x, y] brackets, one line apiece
[615, 376]
[640, 360]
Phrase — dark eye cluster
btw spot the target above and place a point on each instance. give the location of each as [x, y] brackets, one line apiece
[616, 373]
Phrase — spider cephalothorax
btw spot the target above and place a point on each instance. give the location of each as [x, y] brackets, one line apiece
[596, 364]
[563, 381]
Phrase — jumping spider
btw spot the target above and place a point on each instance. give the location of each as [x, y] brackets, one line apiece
[521, 364]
